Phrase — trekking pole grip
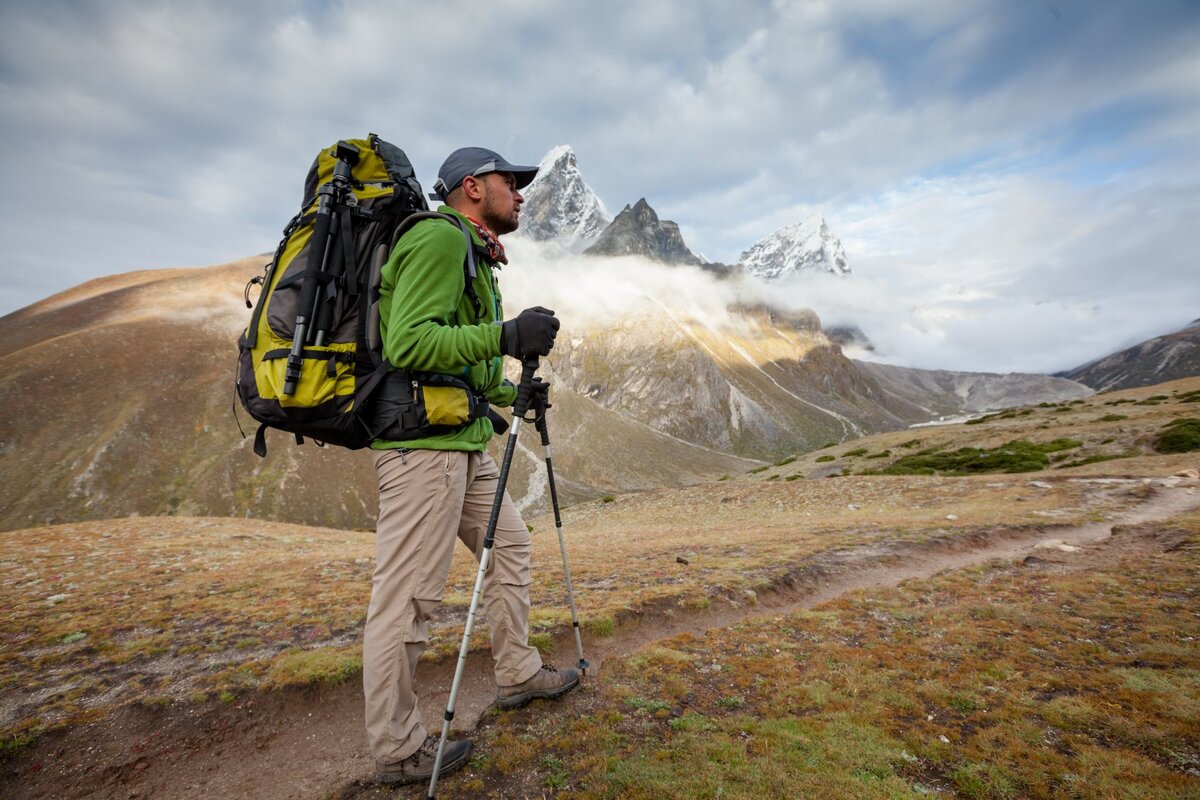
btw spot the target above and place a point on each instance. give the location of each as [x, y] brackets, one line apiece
[525, 388]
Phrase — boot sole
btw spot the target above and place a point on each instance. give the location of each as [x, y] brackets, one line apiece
[524, 699]
[401, 778]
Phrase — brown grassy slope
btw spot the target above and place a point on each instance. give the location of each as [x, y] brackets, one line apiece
[1115, 425]
[118, 400]
[756, 383]
[1077, 678]
[103, 612]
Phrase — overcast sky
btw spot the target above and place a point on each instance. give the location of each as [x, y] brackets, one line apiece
[1016, 182]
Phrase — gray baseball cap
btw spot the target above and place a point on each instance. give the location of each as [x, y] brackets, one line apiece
[475, 161]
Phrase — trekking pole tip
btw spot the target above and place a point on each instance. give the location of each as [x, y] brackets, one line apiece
[583, 665]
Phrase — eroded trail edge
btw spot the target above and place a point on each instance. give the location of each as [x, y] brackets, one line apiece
[310, 743]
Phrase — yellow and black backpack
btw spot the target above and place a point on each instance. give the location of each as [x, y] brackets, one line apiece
[310, 361]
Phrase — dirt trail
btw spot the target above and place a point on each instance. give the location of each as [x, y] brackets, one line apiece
[310, 744]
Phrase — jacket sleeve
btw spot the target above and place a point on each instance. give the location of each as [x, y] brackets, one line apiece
[424, 277]
[504, 394]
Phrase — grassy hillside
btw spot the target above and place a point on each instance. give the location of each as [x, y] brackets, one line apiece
[1007, 681]
[1113, 433]
[160, 611]
[119, 400]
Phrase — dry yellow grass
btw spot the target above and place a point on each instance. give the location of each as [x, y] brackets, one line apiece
[149, 609]
[1000, 682]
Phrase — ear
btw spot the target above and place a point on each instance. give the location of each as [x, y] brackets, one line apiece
[473, 187]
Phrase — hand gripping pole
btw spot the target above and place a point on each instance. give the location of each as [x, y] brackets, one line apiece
[543, 429]
[524, 393]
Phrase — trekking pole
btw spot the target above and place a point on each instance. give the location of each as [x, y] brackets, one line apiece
[524, 391]
[543, 429]
[331, 196]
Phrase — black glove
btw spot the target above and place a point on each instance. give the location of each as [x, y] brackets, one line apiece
[530, 334]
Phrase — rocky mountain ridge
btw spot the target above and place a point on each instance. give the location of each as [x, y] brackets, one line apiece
[947, 393]
[118, 398]
[1162, 358]
[559, 204]
[804, 246]
[637, 231]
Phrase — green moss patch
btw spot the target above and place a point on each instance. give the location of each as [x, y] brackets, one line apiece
[1018, 455]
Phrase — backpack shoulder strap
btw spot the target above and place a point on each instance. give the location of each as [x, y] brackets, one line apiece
[470, 263]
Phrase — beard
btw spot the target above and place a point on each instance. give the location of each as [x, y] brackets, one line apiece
[495, 217]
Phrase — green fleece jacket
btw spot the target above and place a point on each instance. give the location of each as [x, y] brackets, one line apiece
[429, 324]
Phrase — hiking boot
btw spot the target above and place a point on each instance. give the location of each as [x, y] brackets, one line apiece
[548, 682]
[419, 766]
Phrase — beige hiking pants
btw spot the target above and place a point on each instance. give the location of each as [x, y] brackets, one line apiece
[426, 499]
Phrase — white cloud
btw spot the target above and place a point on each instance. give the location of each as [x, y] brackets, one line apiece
[983, 162]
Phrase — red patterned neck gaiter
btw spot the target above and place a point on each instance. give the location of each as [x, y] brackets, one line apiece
[495, 250]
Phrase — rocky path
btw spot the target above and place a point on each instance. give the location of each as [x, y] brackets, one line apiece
[310, 744]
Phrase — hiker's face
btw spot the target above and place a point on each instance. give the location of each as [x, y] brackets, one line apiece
[501, 202]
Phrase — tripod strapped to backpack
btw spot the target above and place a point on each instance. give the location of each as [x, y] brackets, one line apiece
[326, 261]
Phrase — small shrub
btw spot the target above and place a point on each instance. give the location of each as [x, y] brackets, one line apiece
[691, 721]
[861, 451]
[1180, 436]
[600, 626]
[785, 461]
[608, 498]
[15, 742]
[1012, 457]
[757, 470]
[1113, 417]
[155, 701]
[882, 454]
[1096, 459]
[325, 666]
[825, 458]
[647, 704]
[962, 704]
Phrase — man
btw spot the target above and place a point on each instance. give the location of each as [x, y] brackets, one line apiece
[435, 488]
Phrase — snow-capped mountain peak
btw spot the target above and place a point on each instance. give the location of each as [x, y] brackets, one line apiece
[807, 245]
[559, 204]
